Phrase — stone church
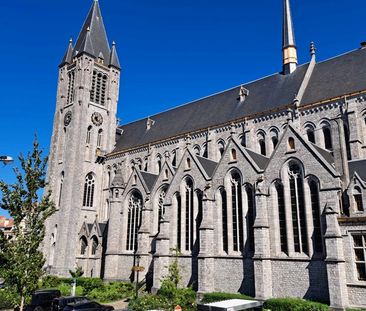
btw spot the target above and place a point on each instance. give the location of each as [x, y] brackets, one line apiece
[262, 191]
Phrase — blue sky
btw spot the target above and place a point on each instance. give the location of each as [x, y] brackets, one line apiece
[171, 52]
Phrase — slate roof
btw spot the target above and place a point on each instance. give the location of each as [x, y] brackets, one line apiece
[259, 159]
[324, 153]
[208, 165]
[359, 167]
[149, 179]
[335, 77]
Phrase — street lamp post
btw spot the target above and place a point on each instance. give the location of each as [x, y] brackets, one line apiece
[6, 159]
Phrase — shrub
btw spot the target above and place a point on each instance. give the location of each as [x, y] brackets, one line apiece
[65, 290]
[51, 281]
[293, 304]
[89, 284]
[8, 299]
[112, 291]
[148, 302]
[218, 296]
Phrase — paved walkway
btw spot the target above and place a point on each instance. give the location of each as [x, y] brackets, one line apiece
[119, 305]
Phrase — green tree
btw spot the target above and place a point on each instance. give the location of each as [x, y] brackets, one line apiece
[21, 259]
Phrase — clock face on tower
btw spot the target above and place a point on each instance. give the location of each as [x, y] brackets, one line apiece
[67, 118]
[97, 118]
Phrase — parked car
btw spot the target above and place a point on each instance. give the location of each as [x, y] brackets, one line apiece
[42, 300]
[60, 303]
[88, 306]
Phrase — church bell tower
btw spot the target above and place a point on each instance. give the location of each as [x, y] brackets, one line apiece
[83, 132]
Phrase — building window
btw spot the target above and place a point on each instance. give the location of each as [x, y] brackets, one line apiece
[179, 220]
[174, 161]
[198, 220]
[133, 220]
[233, 155]
[359, 244]
[262, 144]
[281, 216]
[161, 209]
[243, 140]
[346, 137]
[315, 207]
[298, 209]
[88, 134]
[98, 88]
[158, 164]
[224, 220]
[189, 215]
[291, 143]
[357, 197]
[237, 212]
[221, 148]
[250, 216]
[94, 245]
[99, 138]
[197, 150]
[310, 134]
[188, 163]
[60, 191]
[274, 138]
[70, 87]
[327, 137]
[83, 245]
[205, 151]
[89, 186]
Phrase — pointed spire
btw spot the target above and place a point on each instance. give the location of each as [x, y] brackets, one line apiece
[93, 37]
[288, 43]
[67, 59]
[113, 60]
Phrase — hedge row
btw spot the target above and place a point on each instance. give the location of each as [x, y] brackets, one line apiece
[293, 304]
[219, 296]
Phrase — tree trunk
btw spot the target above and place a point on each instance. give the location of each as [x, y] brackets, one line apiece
[21, 303]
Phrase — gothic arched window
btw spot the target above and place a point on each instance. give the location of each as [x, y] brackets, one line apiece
[179, 220]
[237, 212]
[224, 220]
[291, 143]
[221, 147]
[327, 134]
[357, 197]
[310, 133]
[262, 143]
[70, 87]
[95, 244]
[60, 191]
[281, 216]
[99, 138]
[250, 217]
[133, 220]
[189, 215]
[205, 151]
[243, 140]
[174, 161]
[347, 137]
[298, 208]
[98, 88]
[88, 134]
[161, 210]
[89, 186]
[197, 150]
[83, 245]
[274, 138]
[315, 207]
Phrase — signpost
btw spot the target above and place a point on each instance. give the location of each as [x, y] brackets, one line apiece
[137, 269]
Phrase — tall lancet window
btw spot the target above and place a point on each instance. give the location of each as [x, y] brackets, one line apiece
[60, 190]
[250, 216]
[298, 208]
[133, 220]
[89, 185]
[88, 135]
[95, 244]
[224, 220]
[189, 216]
[281, 216]
[327, 134]
[179, 220]
[83, 245]
[198, 217]
[315, 207]
[98, 88]
[237, 212]
[70, 87]
[161, 209]
[99, 138]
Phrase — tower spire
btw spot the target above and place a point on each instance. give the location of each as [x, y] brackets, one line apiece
[67, 59]
[93, 37]
[288, 44]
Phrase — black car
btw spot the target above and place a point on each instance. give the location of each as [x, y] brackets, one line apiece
[88, 306]
[60, 303]
[42, 300]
